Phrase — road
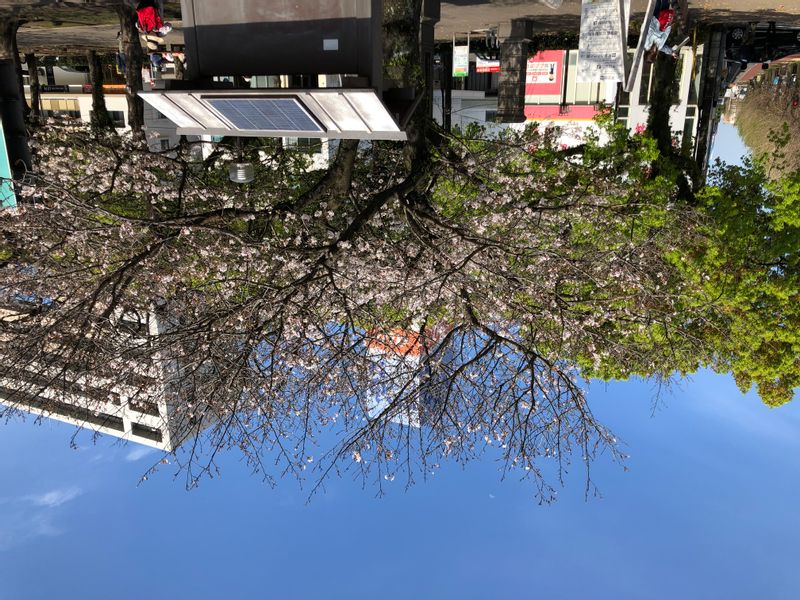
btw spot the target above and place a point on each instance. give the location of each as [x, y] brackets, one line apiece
[458, 16]
[65, 40]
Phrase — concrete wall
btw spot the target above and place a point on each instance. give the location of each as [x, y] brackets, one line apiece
[83, 103]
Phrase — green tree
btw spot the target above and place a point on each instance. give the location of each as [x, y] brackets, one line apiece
[747, 266]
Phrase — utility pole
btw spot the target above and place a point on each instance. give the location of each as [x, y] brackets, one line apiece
[447, 89]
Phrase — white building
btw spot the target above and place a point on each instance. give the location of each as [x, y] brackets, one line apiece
[553, 98]
[130, 402]
[75, 101]
[633, 108]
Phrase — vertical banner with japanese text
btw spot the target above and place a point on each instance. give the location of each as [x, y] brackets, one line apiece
[603, 40]
[460, 60]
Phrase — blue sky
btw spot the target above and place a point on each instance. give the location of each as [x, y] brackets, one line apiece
[706, 510]
[727, 145]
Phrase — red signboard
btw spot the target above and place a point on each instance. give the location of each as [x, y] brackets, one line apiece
[554, 112]
[544, 73]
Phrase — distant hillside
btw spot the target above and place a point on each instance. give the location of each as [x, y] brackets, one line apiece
[760, 122]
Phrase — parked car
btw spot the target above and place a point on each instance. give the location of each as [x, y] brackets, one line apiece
[759, 42]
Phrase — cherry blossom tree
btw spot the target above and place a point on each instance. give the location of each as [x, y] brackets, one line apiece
[441, 299]
[513, 263]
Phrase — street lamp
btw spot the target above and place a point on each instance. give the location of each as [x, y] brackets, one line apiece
[241, 172]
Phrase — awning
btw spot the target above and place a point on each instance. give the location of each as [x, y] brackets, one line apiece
[332, 113]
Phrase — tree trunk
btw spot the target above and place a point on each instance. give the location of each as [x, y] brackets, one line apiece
[402, 35]
[18, 67]
[661, 102]
[33, 78]
[12, 101]
[100, 117]
[134, 59]
[513, 67]
[8, 31]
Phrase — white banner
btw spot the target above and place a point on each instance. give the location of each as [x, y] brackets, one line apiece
[603, 40]
[633, 71]
[486, 66]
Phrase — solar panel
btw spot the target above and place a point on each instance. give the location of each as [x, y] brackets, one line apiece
[268, 114]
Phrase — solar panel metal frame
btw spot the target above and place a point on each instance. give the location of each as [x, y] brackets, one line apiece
[210, 98]
[378, 122]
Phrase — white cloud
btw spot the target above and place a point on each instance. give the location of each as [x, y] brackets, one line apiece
[138, 453]
[56, 497]
[21, 527]
[32, 516]
[747, 413]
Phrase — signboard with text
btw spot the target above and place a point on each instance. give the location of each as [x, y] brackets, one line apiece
[603, 40]
[486, 66]
[460, 61]
[544, 73]
[54, 89]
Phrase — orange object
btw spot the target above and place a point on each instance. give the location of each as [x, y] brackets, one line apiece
[397, 341]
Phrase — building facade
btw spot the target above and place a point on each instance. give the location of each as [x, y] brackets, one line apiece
[134, 402]
[633, 108]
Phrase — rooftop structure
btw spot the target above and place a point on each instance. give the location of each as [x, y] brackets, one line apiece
[409, 371]
[275, 37]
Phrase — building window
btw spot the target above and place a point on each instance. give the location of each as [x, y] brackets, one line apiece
[72, 114]
[644, 89]
[149, 433]
[118, 118]
[164, 144]
[306, 145]
[61, 108]
[491, 116]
